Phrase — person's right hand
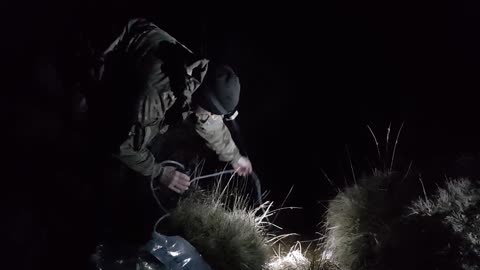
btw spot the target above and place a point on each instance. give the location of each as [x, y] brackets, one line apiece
[175, 180]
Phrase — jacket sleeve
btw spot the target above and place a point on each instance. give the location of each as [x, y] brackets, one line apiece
[217, 137]
[138, 159]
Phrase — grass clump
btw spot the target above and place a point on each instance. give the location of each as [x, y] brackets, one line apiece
[222, 226]
[359, 221]
[455, 208]
[297, 259]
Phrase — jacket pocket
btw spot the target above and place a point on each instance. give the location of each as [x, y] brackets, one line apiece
[138, 137]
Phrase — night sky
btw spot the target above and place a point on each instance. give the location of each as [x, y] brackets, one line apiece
[313, 78]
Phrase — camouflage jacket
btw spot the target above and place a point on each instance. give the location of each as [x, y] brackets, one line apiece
[161, 75]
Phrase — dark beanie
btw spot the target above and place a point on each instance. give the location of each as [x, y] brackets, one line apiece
[220, 90]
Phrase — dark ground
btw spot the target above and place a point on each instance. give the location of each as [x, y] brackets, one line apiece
[313, 78]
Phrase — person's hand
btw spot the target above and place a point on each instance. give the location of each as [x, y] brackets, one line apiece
[243, 166]
[175, 180]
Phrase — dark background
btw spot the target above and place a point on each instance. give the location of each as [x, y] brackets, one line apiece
[313, 77]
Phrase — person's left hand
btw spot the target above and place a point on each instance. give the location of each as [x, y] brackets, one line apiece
[243, 166]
